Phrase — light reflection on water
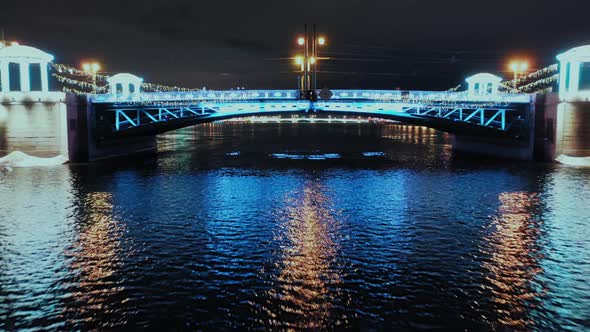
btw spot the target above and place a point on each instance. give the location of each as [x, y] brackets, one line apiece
[307, 284]
[514, 258]
[202, 237]
[93, 260]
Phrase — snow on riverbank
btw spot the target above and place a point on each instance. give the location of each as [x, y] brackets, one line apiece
[574, 161]
[20, 159]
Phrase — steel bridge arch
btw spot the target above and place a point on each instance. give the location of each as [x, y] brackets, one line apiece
[441, 124]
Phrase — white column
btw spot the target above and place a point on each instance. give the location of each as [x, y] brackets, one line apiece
[125, 88]
[25, 82]
[44, 77]
[562, 76]
[574, 77]
[5, 77]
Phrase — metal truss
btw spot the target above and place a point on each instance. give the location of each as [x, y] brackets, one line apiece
[128, 118]
[495, 118]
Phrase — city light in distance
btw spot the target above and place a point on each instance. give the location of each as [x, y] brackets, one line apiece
[300, 41]
[321, 40]
[299, 60]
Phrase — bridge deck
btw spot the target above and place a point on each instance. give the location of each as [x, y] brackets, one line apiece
[344, 95]
[162, 111]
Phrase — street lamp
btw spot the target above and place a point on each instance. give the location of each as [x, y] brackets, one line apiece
[310, 43]
[91, 68]
[518, 67]
[300, 61]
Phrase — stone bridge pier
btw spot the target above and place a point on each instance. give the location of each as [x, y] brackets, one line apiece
[563, 118]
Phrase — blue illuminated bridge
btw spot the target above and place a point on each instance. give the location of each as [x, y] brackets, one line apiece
[124, 117]
[145, 113]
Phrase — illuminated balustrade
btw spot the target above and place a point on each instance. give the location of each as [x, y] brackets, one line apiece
[356, 95]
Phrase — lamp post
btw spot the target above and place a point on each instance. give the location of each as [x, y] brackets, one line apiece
[300, 61]
[308, 61]
[92, 68]
[518, 67]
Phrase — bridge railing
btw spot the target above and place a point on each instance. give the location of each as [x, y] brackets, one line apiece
[360, 95]
[428, 96]
[198, 95]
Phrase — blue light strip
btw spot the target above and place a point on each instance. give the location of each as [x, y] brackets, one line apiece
[337, 95]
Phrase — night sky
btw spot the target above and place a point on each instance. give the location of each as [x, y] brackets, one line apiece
[409, 44]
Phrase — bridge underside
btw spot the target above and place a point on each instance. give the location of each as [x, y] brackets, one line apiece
[442, 125]
[477, 120]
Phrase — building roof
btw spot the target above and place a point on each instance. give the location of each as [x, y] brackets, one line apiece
[124, 78]
[581, 53]
[483, 77]
[21, 53]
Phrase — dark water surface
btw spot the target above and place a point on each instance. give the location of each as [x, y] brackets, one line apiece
[297, 226]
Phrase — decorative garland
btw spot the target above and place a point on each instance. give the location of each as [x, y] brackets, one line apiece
[535, 82]
[148, 87]
[539, 79]
[76, 91]
[61, 68]
[534, 86]
[68, 81]
[455, 89]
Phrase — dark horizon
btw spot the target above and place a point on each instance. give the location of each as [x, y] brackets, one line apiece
[409, 45]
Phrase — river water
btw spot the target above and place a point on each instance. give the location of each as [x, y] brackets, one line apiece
[296, 226]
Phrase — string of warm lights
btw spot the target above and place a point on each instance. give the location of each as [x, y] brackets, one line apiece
[76, 91]
[82, 84]
[550, 70]
[61, 68]
[455, 89]
[164, 88]
[534, 86]
[546, 90]
[69, 70]
[535, 82]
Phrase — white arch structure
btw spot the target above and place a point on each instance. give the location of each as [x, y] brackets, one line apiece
[574, 74]
[483, 84]
[24, 56]
[126, 81]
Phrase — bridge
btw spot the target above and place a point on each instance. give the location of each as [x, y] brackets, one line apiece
[455, 112]
[123, 118]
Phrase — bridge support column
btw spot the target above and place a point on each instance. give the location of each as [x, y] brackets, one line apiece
[508, 148]
[563, 128]
[33, 123]
[566, 121]
[492, 147]
[572, 132]
[89, 142]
